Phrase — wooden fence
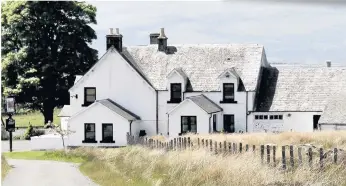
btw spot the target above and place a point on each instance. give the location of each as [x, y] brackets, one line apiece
[290, 156]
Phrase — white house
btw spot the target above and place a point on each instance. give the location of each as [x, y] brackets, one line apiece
[175, 89]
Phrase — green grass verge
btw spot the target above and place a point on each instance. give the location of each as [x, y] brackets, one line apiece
[45, 155]
[5, 167]
[35, 118]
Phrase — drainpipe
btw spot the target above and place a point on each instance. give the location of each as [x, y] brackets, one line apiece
[209, 122]
[246, 130]
[168, 125]
[131, 127]
[157, 112]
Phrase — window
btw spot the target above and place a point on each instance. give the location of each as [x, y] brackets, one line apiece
[276, 117]
[261, 117]
[89, 95]
[175, 93]
[271, 117]
[265, 117]
[228, 91]
[107, 133]
[256, 116]
[89, 133]
[188, 124]
[280, 117]
[214, 122]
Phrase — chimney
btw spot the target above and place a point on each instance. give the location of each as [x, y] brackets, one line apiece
[329, 63]
[114, 39]
[153, 38]
[162, 41]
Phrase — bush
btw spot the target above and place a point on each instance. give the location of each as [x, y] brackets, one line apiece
[30, 132]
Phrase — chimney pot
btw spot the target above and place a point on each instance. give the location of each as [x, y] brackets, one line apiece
[162, 33]
[117, 31]
[111, 31]
[329, 63]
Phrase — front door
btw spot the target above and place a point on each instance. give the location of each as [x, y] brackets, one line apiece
[228, 123]
[188, 124]
[316, 118]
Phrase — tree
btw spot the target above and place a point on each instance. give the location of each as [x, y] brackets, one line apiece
[62, 133]
[44, 45]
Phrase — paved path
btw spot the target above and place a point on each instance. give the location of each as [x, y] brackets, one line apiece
[44, 173]
[17, 145]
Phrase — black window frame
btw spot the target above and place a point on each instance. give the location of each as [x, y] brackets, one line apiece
[256, 117]
[271, 117]
[172, 98]
[265, 117]
[261, 117]
[87, 103]
[281, 117]
[189, 124]
[85, 134]
[224, 100]
[103, 134]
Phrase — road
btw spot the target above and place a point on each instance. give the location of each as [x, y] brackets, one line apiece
[45, 173]
[17, 145]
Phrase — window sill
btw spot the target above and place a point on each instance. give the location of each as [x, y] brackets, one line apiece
[228, 101]
[107, 141]
[89, 141]
[174, 101]
[86, 104]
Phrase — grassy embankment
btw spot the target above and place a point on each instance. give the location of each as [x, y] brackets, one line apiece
[5, 167]
[35, 118]
[141, 166]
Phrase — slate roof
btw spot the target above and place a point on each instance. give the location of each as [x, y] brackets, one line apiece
[118, 109]
[65, 111]
[205, 103]
[299, 87]
[335, 111]
[202, 64]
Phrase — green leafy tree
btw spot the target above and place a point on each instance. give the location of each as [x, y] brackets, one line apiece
[44, 45]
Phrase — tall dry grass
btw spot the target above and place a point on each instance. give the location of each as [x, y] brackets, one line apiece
[142, 166]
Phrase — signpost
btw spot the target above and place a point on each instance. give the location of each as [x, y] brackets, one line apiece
[10, 122]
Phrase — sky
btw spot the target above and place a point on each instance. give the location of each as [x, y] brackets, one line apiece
[308, 33]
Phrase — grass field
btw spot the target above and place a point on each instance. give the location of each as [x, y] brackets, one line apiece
[5, 167]
[135, 165]
[35, 118]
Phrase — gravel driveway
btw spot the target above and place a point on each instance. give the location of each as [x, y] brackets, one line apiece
[44, 173]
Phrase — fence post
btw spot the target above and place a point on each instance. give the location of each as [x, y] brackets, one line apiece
[262, 153]
[283, 157]
[274, 155]
[203, 143]
[321, 157]
[225, 147]
[175, 144]
[188, 143]
[234, 148]
[291, 156]
[253, 148]
[157, 144]
[310, 156]
[146, 141]
[240, 147]
[335, 155]
[246, 147]
[185, 143]
[211, 145]
[230, 147]
[206, 144]
[198, 143]
[300, 158]
[268, 154]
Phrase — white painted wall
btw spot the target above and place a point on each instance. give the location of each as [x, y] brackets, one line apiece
[326, 127]
[298, 121]
[47, 142]
[98, 114]
[114, 78]
[63, 122]
[188, 108]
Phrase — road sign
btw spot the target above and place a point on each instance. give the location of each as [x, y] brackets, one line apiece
[10, 124]
[10, 106]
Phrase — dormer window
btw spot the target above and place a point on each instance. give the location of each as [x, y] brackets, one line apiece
[228, 93]
[175, 93]
[89, 95]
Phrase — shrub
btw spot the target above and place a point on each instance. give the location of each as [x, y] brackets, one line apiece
[30, 132]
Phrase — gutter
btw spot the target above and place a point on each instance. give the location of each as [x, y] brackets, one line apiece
[168, 125]
[210, 122]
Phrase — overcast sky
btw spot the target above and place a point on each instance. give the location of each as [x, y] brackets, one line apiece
[290, 32]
